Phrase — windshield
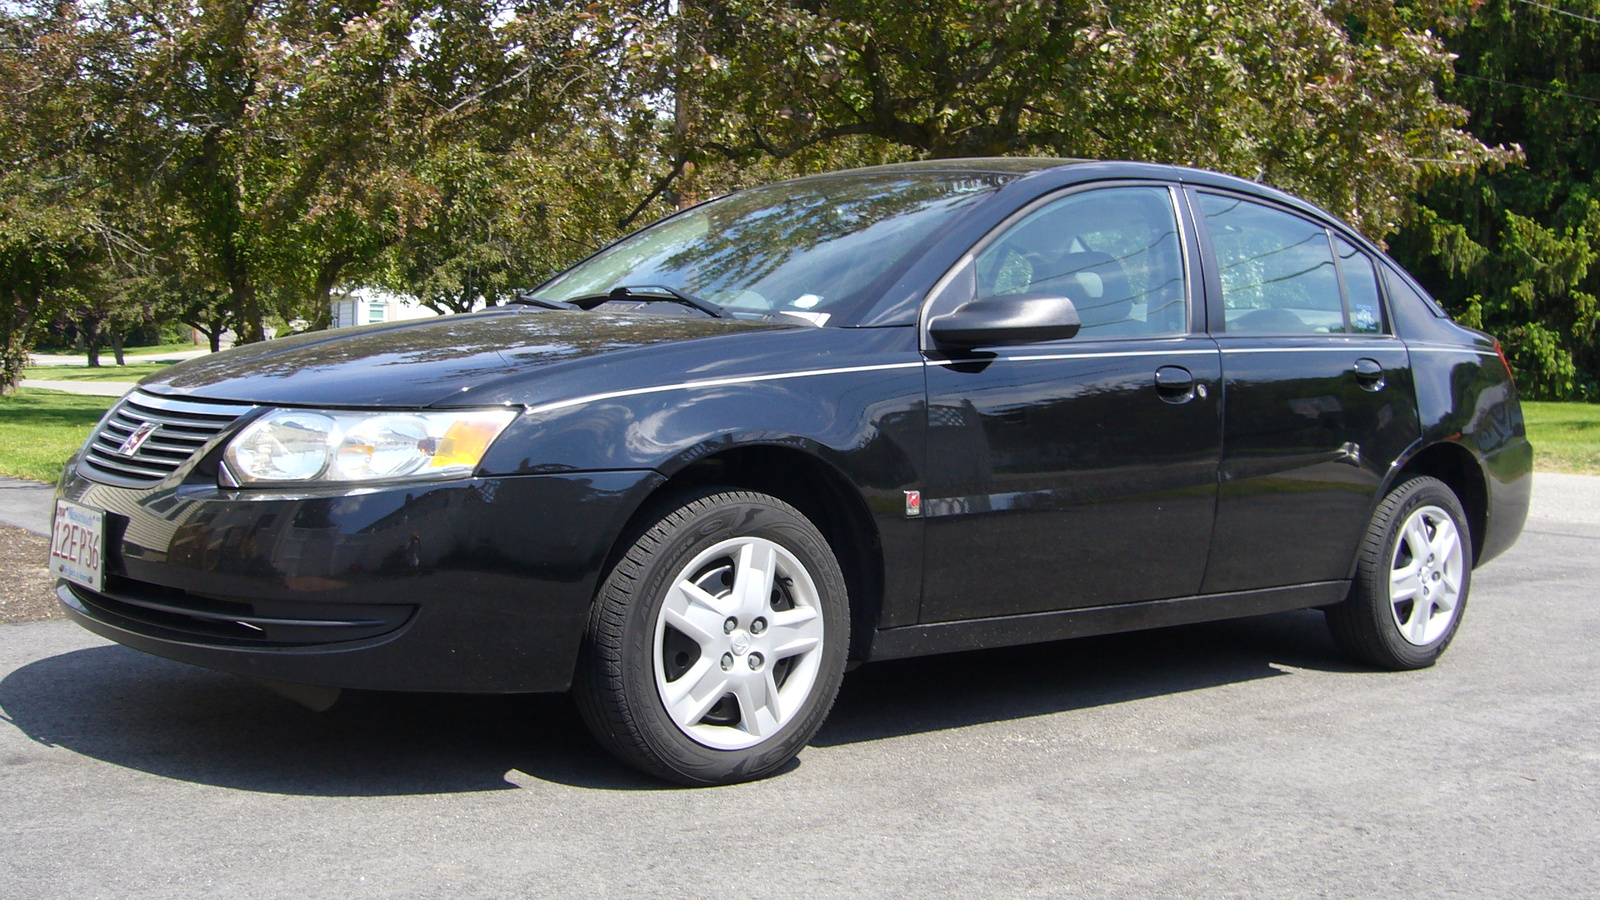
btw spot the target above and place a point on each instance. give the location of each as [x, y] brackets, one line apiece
[814, 248]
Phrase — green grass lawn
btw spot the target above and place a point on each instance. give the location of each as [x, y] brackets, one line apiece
[130, 372]
[183, 347]
[1565, 436]
[108, 358]
[39, 430]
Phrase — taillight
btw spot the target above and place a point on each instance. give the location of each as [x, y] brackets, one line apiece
[1505, 362]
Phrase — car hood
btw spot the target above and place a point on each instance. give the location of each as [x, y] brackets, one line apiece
[423, 362]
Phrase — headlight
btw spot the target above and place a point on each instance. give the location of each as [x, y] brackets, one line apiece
[290, 446]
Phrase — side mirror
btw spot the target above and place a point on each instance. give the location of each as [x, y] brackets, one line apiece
[1007, 319]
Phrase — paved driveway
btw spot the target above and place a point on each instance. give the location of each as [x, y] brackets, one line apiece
[1243, 759]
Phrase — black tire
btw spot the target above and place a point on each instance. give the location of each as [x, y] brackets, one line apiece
[617, 688]
[1368, 624]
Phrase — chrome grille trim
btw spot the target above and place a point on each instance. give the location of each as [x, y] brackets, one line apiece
[186, 428]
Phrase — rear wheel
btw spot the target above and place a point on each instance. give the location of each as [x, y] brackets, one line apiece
[717, 642]
[1412, 576]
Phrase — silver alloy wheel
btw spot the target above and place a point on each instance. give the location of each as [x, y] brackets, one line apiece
[1425, 575]
[738, 643]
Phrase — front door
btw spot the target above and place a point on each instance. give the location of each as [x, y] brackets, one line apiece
[1082, 472]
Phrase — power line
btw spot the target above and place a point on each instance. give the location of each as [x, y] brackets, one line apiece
[1561, 11]
[1528, 87]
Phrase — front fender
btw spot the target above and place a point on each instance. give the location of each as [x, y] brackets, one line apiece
[864, 418]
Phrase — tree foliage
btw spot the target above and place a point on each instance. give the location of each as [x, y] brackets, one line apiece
[1514, 251]
[1332, 101]
[287, 142]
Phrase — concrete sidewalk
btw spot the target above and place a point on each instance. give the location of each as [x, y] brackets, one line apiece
[87, 388]
[78, 359]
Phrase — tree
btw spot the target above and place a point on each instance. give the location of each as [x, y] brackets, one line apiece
[1331, 101]
[50, 236]
[1514, 251]
[39, 254]
[282, 136]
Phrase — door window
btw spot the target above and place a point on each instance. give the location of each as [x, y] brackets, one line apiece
[1113, 252]
[1361, 286]
[1277, 269]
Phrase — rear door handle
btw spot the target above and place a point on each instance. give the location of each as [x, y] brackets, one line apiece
[1369, 374]
[1175, 384]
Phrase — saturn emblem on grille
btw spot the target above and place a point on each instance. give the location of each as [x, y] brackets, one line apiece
[131, 444]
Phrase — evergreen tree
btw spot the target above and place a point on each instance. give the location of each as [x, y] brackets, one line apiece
[1513, 251]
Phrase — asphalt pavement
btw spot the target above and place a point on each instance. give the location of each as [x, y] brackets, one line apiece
[26, 504]
[1242, 758]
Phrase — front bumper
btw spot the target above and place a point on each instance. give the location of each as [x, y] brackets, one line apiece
[479, 585]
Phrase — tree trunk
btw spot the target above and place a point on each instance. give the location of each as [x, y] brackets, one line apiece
[20, 317]
[213, 330]
[117, 338]
[91, 340]
[322, 290]
[18, 337]
[249, 327]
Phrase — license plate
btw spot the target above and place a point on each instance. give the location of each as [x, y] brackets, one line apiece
[77, 544]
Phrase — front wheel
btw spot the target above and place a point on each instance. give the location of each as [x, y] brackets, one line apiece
[1412, 575]
[717, 641]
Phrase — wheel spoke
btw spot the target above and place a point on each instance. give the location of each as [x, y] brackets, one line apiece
[794, 631]
[1417, 538]
[1450, 583]
[1444, 598]
[1447, 589]
[690, 697]
[695, 613]
[1403, 583]
[1446, 542]
[752, 582]
[1421, 613]
[759, 709]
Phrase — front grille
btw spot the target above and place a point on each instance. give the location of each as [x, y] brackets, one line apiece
[182, 428]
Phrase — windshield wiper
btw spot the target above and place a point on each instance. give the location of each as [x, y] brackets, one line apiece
[528, 299]
[649, 292]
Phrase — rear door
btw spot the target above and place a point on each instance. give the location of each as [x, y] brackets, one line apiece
[1080, 472]
[1318, 394]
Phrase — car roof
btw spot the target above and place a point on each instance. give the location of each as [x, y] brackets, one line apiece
[1062, 171]
[984, 165]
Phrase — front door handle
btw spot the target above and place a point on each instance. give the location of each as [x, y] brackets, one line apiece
[1175, 384]
[1369, 374]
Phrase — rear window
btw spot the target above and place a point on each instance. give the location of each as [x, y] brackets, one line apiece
[1401, 291]
[1277, 269]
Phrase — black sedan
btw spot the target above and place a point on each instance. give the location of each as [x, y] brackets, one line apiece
[859, 416]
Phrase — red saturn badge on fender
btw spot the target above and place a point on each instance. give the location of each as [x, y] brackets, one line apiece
[913, 503]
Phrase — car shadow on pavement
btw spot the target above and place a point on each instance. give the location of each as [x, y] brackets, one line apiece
[148, 714]
[934, 693]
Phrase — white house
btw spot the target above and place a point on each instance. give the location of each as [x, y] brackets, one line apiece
[366, 307]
